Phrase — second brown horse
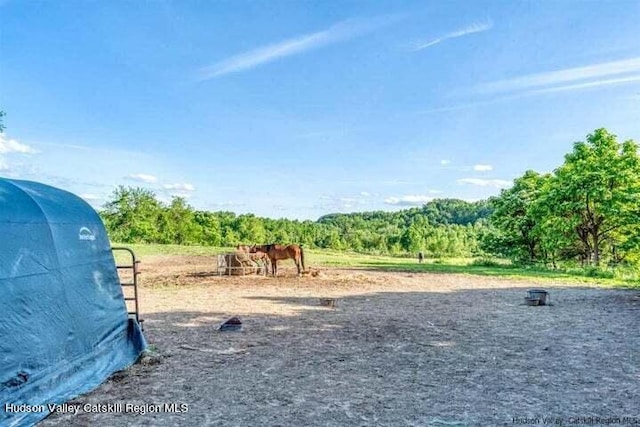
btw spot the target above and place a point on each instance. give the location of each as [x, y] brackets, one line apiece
[278, 252]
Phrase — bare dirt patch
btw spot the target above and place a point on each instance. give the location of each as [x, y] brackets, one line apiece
[399, 349]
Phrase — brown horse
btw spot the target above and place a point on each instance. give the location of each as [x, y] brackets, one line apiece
[277, 252]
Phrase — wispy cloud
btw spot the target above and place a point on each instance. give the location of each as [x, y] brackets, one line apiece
[534, 92]
[71, 146]
[566, 79]
[342, 203]
[179, 187]
[219, 205]
[92, 199]
[445, 162]
[482, 168]
[408, 200]
[497, 183]
[339, 32]
[143, 177]
[588, 85]
[471, 29]
[350, 202]
[184, 190]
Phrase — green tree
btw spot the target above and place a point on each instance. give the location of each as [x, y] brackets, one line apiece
[251, 229]
[132, 215]
[595, 195]
[210, 225]
[413, 238]
[177, 224]
[517, 218]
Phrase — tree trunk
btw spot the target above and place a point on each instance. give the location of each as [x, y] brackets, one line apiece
[532, 251]
[596, 246]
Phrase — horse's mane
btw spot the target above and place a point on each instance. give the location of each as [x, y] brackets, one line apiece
[265, 248]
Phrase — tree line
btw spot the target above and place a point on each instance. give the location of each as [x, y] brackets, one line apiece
[586, 211]
[441, 228]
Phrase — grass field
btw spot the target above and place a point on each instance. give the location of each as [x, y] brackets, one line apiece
[496, 268]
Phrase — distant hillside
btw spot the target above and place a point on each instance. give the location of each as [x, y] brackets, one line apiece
[437, 212]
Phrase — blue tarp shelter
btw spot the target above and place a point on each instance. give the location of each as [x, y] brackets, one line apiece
[64, 326]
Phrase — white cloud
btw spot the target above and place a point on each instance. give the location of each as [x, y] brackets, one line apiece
[337, 203]
[445, 162]
[142, 177]
[498, 183]
[90, 197]
[568, 75]
[12, 146]
[245, 61]
[474, 28]
[179, 187]
[226, 205]
[408, 200]
[350, 202]
[482, 168]
[183, 190]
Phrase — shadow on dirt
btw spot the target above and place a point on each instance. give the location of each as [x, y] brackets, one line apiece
[471, 357]
[508, 271]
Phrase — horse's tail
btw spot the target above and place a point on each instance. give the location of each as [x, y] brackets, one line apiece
[302, 258]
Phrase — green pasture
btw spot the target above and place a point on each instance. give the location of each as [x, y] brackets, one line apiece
[471, 266]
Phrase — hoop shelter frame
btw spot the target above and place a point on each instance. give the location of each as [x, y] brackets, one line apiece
[64, 327]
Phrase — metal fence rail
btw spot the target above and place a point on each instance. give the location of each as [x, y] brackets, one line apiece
[130, 283]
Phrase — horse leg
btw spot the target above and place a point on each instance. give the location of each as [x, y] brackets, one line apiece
[274, 267]
[297, 260]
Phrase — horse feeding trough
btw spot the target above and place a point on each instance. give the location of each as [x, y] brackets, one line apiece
[532, 301]
[536, 297]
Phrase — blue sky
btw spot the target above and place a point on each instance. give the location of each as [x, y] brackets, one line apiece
[298, 109]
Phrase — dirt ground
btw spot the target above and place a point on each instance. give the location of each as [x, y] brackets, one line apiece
[399, 349]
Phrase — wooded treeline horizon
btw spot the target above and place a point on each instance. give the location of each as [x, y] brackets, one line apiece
[586, 212]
